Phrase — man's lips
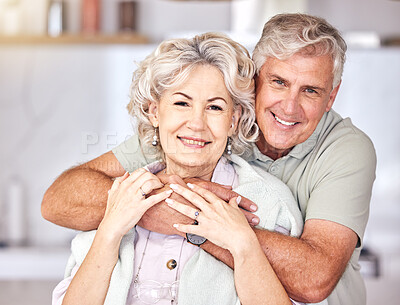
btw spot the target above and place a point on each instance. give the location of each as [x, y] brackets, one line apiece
[193, 141]
[283, 122]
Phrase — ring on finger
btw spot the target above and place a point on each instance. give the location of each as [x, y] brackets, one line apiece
[196, 214]
[143, 193]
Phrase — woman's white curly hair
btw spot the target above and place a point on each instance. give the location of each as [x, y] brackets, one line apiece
[171, 64]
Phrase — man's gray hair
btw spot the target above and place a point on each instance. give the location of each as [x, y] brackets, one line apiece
[171, 64]
[287, 34]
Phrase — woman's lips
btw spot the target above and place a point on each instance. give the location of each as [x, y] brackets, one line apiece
[193, 142]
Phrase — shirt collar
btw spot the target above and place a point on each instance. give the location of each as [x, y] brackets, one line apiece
[299, 151]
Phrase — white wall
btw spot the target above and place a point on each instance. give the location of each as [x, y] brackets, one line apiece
[380, 16]
[54, 102]
[370, 96]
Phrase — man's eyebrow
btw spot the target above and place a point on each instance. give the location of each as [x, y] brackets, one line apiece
[270, 76]
[275, 76]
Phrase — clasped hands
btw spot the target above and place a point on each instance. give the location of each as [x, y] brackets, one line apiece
[161, 218]
[133, 199]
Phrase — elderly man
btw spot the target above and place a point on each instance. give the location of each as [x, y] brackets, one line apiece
[327, 162]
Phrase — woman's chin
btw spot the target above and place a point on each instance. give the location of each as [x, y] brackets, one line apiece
[191, 165]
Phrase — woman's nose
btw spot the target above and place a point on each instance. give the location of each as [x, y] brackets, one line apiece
[196, 120]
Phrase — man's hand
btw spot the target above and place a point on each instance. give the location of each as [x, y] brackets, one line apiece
[160, 218]
[226, 194]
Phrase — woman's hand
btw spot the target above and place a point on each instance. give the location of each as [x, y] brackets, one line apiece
[127, 201]
[222, 223]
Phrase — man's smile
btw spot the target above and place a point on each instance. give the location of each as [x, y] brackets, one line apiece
[283, 122]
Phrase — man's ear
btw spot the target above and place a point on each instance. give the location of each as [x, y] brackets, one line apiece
[153, 114]
[235, 120]
[332, 97]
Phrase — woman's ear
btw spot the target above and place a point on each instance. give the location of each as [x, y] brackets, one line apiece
[235, 120]
[153, 114]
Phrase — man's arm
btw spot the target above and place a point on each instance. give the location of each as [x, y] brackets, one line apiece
[309, 267]
[77, 198]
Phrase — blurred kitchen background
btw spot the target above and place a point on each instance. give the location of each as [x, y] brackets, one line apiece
[65, 71]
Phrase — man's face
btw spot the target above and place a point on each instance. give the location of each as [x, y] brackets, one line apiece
[291, 98]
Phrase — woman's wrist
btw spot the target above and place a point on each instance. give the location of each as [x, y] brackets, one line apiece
[109, 235]
[244, 246]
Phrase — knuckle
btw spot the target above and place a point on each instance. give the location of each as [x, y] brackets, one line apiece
[138, 171]
[175, 179]
[203, 184]
[147, 175]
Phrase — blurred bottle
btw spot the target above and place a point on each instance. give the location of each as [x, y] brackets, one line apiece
[55, 21]
[16, 223]
[127, 16]
[90, 16]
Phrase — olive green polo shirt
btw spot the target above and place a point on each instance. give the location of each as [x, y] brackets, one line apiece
[330, 175]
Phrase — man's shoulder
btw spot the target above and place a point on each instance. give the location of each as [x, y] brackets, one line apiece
[341, 133]
[132, 154]
[341, 143]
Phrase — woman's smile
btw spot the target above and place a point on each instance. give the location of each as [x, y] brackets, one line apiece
[193, 142]
[194, 120]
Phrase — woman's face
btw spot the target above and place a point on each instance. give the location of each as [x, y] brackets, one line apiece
[194, 121]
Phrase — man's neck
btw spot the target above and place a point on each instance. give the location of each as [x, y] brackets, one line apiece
[271, 151]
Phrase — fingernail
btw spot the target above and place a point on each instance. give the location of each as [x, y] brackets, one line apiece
[175, 225]
[169, 192]
[238, 199]
[191, 186]
[174, 186]
[169, 201]
[255, 220]
[253, 208]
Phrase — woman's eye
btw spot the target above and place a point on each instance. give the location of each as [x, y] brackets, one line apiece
[215, 107]
[180, 103]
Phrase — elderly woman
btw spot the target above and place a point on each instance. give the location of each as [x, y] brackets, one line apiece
[194, 103]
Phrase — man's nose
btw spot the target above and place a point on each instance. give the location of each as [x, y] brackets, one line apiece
[291, 102]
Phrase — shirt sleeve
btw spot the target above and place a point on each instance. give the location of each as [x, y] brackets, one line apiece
[342, 183]
[62, 287]
[131, 155]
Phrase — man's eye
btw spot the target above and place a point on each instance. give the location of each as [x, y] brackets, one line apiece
[279, 82]
[312, 91]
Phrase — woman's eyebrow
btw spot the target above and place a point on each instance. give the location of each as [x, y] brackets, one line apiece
[217, 98]
[210, 99]
[185, 95]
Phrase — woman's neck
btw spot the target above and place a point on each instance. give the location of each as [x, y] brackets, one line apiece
[204, 172]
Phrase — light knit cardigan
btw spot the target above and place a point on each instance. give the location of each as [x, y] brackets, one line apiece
[204, 279]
